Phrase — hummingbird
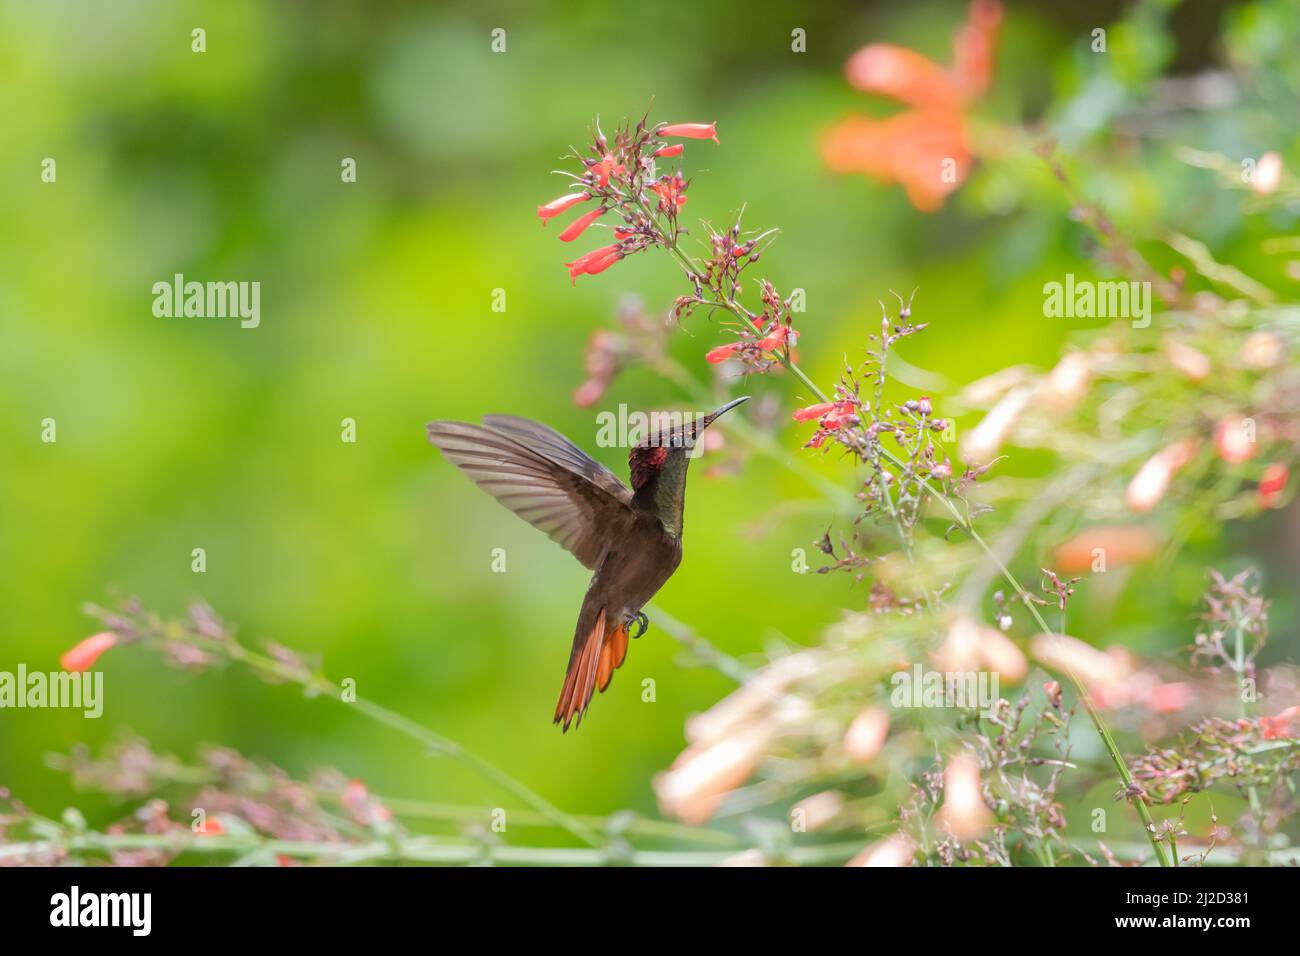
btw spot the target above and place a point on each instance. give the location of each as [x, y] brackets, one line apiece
[630, 537]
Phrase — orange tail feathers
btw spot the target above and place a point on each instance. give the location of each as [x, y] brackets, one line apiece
[592, 667]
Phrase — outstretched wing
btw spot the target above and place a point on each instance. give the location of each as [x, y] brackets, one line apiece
[547, 441]
[540, 476]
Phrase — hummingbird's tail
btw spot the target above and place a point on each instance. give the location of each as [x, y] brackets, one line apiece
[591, 665]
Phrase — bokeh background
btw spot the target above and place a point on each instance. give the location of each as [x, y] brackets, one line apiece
[376, 305]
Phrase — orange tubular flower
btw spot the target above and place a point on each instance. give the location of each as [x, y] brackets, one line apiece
[669, 151]
[925, 149]
[1116, 545]
[721, 353]
[83, 656]
[557, 206]
[579, 225]
[691, 130]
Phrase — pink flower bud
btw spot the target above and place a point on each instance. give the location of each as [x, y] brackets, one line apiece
[1261, 350]
[964, 811]
[1151, 482]
[897, 850]
[982, 444]
[1053, 691]
[866, 735]
[1067, 383]
[1191, 362]
[83, 656]
[700, 778]
[668, 151]
[1268, 174]
[1234, 439]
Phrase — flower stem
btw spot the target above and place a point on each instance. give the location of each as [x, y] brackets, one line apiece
[434, 742]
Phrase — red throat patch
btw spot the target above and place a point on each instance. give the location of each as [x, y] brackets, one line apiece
[645, 462]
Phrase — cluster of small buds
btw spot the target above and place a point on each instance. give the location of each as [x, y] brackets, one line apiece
[1232, 605]
[776, 335]
[1061, 590]
[1242, 753]
[996, 803]
[621, 175]
[731, 252]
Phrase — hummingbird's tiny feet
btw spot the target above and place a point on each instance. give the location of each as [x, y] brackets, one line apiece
[642, 624]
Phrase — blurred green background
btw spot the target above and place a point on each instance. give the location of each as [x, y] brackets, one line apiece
[175, 434]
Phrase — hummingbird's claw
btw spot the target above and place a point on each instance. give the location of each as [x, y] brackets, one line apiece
[642, 624]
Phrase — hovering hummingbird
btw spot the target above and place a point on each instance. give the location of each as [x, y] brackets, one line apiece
[631, 537]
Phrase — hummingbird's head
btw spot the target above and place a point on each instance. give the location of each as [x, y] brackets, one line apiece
[671, 444]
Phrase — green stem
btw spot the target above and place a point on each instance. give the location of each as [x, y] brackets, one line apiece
[432, 741]
[405, 850]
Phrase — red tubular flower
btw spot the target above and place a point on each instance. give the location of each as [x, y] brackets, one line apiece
[83, 656]
[605, 168]
[672, 193]
[600, 265]
[1272, 483]
[829, 415]
[589, 257]
[721, 353]
[778, 336]
[1280, 725]
[579, 225]
[586, 262]
[674, 150]
[813, 411]
[691, 130]
[557, 206]
[843, 414]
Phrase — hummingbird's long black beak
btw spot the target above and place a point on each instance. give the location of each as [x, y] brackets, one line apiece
[714, 416]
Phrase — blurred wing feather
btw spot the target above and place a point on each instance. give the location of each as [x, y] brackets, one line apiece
[547, 487]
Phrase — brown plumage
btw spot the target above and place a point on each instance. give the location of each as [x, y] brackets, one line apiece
[630, 537]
